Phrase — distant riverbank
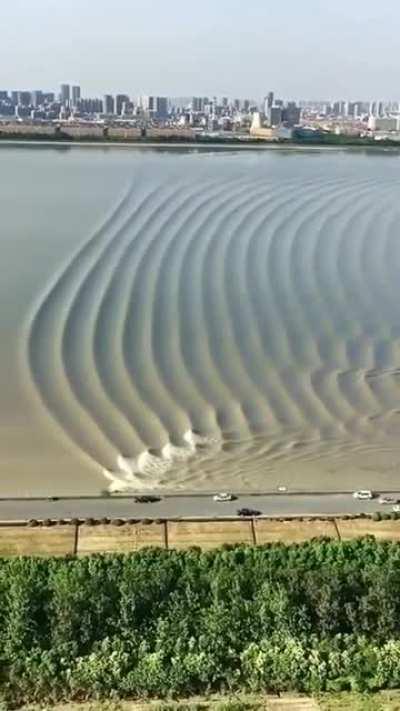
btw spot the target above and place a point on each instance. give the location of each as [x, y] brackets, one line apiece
[198, 145]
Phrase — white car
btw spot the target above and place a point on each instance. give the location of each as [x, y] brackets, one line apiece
[223, 497]
[387, 500]
[363, 495]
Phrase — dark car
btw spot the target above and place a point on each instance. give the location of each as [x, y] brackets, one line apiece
[248, 512]
[146, 499]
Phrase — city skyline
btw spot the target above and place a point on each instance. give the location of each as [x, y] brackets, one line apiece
[309, 51]
[76, 91]
[115, 114]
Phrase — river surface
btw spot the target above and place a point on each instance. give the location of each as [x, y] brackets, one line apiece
[198, 320]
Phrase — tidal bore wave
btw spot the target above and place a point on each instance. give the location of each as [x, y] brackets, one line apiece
[207, 324]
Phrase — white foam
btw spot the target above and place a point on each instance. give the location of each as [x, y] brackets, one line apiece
[128, 466]
[194, 439]
[151, 464]
[177, 454]
[147, 469]
[118, 483]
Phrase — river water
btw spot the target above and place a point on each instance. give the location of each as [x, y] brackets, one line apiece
[176, 319]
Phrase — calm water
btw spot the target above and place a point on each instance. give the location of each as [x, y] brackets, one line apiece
[206, 320]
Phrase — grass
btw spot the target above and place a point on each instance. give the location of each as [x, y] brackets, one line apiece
[269, 531]
[119, 539]
[60, 540]
[52, 541]
[213, 703]
[208, 534]
[382, 701]
[382, 530]
[347, 701]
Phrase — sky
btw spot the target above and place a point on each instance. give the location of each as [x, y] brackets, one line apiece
[312, 49]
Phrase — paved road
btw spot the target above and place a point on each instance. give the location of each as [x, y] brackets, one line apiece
[187, 507]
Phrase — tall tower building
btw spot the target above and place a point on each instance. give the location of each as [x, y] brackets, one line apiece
[196, 103]
[108, 104]
[65, 94]
[120, 100]
[24, 98]
[268, 104]
[37, 98]
[154, 106]
[76, 95]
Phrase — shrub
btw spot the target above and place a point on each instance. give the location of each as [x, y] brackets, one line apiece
[320, 616]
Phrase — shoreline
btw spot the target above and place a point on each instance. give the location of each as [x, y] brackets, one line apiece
[198, 146]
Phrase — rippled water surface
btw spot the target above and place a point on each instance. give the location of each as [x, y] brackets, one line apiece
[214, 320]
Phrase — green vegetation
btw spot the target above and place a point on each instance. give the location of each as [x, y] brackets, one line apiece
[58, 135]
[321, 616]
[328, 138]
[347, 701]
[382, 701]
[299, 138]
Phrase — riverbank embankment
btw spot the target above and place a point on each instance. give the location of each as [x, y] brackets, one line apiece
[76, 538]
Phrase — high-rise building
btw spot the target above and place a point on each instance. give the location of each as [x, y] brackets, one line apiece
[128, 108]
[268, 104]
[291, 115]
[274, 116]
[339, 108]
[108, 104]
[120, 100]
[14, 98]
[65, 94]
[197, 103]
[22, 111]
[6, 108]
[154, 106]
[3, 95]
[37, 98]
[76, 95]
[162, 106]
[24, 98]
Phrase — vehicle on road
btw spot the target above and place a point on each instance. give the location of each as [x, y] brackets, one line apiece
[248, 512]
[386, 500]
[224, 496]
[363, 495]
[146, 499]
[396, 508]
